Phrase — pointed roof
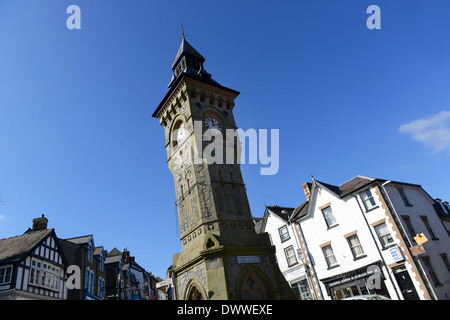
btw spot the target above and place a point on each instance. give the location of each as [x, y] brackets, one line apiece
[187, 48]
[15, 247]
[287, 214]
[194, 69]
[80, 239]
[357, 183]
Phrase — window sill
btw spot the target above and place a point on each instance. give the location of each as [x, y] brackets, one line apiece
[333, 266]
[371, 209]
[360, 257]
[333, 226]
[388, 246]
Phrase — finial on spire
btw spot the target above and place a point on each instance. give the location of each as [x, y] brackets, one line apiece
[183, 36]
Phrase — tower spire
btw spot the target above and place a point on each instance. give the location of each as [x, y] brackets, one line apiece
[183, 36]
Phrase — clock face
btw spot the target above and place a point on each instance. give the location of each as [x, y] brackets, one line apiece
[213, 125]
[181, 133]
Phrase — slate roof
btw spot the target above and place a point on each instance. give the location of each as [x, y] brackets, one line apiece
[186, 47]
[284, 213]
[349, 186]
[300, 211]
[357, 183]
[12, 249]
[441, 210]
[354, 184]
[98, 250]
[80, 239]
[112, 259]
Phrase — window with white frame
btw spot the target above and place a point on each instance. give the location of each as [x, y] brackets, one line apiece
[290, 256]
[329, 256]
[384, 235]
[329, 216]
[101, 287]
[89, 280]
[368, 200]
[284, 233]
[44, 274]
[355, 246]
[35, 272]
[5, 274]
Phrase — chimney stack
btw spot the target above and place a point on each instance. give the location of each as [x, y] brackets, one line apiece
[40, 223]
[307, 189]
[126, 256]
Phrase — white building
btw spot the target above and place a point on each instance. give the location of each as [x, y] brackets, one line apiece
[358, 238]
[277, 223]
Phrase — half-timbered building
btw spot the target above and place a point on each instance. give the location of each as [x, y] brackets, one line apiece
[32, 265]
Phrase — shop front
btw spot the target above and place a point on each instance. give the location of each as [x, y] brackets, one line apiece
[300, 284]
[365, 280]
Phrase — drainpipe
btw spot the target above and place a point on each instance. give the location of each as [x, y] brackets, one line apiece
[416, 260]
[379, 251]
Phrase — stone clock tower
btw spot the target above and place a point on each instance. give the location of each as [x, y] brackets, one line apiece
[222, 257]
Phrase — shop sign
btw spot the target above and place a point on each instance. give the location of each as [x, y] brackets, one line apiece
[396, 254]
[416, 250]
[420, 239]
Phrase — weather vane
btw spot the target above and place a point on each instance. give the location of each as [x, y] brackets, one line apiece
[182, 33]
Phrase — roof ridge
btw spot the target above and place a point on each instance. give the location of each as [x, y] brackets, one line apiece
[358, 176]
[26, 234]
[87, 235]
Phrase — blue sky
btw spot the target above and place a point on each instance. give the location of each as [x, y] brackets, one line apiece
[78, 143]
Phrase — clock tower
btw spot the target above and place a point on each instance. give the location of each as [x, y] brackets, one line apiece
[222, 256]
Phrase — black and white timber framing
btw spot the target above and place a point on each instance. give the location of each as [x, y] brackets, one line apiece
[32, 266]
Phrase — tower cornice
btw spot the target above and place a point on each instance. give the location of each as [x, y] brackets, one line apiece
[165, 102]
